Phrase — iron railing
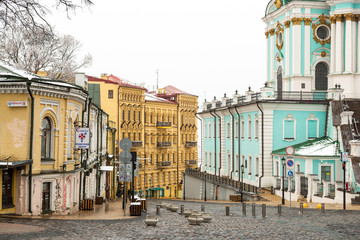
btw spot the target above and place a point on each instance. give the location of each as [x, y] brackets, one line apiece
[163, 124]
[164, 144]
[163, 164]
[190, 144]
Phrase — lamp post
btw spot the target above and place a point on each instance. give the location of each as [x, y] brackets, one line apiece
[283, 180]
[242, 179]
[205, 187]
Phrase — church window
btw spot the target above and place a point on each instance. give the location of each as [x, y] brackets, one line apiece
[46, 138]
[228, 130]
[249, 127]
[312, 124]
[289, 128]
[256, 127]
[321, 76]
[323, 32]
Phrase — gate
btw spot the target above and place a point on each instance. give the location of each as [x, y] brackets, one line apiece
[304, 186]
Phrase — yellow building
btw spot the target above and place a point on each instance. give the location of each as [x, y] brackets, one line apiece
[40, 170]
[161, 125]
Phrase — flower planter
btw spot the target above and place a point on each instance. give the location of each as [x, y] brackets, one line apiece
[151, 220]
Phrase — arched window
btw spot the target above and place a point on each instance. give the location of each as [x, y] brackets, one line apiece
[321, 76]
[279, 83]
[46, 138]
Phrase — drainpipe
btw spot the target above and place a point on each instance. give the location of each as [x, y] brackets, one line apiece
[177, 153]
[28, 84]
[97, 155]
[101, 145]
[326, 120]
[81, 156]
[87, 151]
[219, 141]
[201, 132]
[262, 144]
[215, 155]
[232, 144]
[239, 141]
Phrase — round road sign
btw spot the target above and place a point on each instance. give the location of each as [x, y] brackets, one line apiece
[290, 163]
[290, 173]
[290, 150]
[125, 144]
[125, 157]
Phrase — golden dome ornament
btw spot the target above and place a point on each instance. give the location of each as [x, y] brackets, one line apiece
[278, 3]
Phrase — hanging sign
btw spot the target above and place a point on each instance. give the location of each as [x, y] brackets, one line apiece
[82, 138]
[17, 103]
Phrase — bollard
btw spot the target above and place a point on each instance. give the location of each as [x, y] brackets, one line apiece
[244, 209]
[203, 207]
[322, 208]
[301, 208]
[181, 209]
[157, 209]
[279, 209]
[264, 210]
[253, 210]
[227, 208]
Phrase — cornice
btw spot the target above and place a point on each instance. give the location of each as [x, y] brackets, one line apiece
[296, 21]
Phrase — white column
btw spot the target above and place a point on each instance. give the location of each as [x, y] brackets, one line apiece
[333, 45]
[272, 57]
[348, 43]
[307, 47]
[296, 46]
[358, 47]
[267, 57]
[287, 49]
[353, 45]
[339, 44]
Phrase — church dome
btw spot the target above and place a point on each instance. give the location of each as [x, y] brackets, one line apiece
[274, 5]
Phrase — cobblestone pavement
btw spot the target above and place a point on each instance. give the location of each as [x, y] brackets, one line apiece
[312, 224]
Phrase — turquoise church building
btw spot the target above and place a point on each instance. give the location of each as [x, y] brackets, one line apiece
[306, 112]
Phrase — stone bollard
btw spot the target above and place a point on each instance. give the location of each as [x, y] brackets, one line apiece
[279, 209]
[263, 210]
[244, 209]
[106, 205]
[157, 209]
[227, 209]
[301, 208]
[181, 209]
[322, 208]
[253, 210]
[203, 207]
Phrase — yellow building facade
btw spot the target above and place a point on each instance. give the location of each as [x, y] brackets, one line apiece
[162, 127]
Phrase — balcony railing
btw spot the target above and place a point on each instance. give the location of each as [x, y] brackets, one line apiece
[137, 144]
[190, 162]
[163, 164]
[164, 144]
[190, 144]
[300, 96]
[163, 124]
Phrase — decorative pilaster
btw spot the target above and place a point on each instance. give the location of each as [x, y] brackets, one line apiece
[333, 45]
[307, 47]
[287, 48]
[272, 56]
[348, 44]
[339, 44]
[296, 60]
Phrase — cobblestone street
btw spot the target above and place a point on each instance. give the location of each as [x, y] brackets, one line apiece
[312, 224]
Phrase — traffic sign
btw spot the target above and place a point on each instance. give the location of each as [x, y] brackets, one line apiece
[125, 157]
[125, 144]
[345, 156]
[290, 163]
[289, 150]
[290, 173]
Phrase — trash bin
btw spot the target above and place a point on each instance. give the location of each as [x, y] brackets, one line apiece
[143, 202]
[135, 209]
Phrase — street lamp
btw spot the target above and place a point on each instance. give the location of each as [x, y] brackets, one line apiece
[242, 180]
[283, 181]
[205, 187]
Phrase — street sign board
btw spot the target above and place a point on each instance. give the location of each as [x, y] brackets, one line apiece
[290, 150]
[82, 138]
[290, 173]
[345, 156]
[125, 157]
[125, 144]
[290, 163]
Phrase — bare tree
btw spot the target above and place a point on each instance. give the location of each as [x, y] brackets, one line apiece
[42, 51]
[31, 14]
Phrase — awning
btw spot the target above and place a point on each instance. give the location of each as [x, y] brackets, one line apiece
[4, 164]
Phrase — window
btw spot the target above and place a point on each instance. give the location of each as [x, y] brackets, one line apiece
[250, 165]
[46, 138]
[210, 159]
[249, 127]
[206, 160]
[123, 115]
[237, 163]
[242, 128]
[228, 130]
[219, 129]
[321, 76]
[111, 94]
[312, 130]
[236, 128]
[289, 128]
[326, 173]
[206, 131]
[256, 127]
[209, 130]
[46, 196]
[69, 140]
[129, 115]
[257, 166]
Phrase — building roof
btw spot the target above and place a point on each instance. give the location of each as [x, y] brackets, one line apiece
[319, 147]
[173, 91]
[151, 97]
[116, 80]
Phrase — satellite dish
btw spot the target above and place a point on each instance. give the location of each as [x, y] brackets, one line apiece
[125, 144]
[125, 157]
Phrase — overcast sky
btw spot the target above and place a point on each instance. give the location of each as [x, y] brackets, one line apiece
[204, 47]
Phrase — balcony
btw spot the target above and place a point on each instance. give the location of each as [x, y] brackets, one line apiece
[190, 144]
[163, 164]
[164, 144]
[137, 144]
[190, 162]
[163, 124]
